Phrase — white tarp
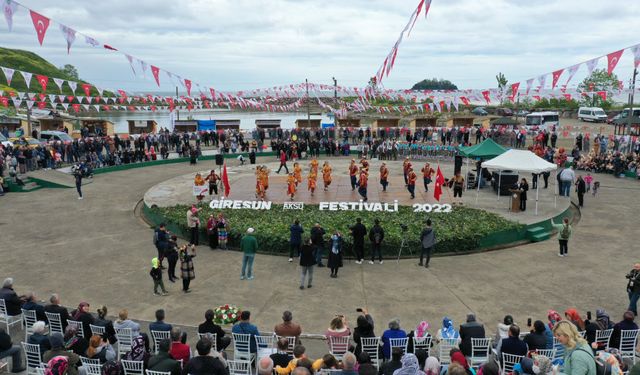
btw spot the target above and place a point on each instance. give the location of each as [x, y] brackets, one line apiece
[521, 161]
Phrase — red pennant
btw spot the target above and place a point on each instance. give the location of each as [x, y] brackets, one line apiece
[536, 97]
[4, 101]
[76, 107]
[41, 24]
[612, 60]
[87, 89]
[437, 192]
[464, 100]
[514, 90]
[555, 77]
[43, 80]
[153, 108]
[42, 105]
[156, 74]
[213, 93]
[106, 46]
[70, 98]
[486, 96]
[602, 94]
[187, 84]
[122, 93]
[567, 96]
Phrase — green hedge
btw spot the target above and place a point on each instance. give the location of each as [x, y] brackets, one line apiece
[458, 231]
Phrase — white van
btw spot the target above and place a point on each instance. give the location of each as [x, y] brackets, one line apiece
[594, 114]
[542, 121]
[625, 112]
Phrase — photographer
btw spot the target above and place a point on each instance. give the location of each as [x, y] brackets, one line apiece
[358, 231]
[376, 236]
[633, 288]
[428, 239]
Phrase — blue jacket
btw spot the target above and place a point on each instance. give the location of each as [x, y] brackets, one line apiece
[296, 234]
[160, 326]
[39, 309]
[391, 334]
[247, 329]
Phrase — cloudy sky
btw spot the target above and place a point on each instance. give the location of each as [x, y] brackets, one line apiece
[243, 44]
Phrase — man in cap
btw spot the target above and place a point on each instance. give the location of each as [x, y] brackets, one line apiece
[249, 247]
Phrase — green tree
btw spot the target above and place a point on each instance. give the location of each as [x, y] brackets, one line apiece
[502, 84]
[599, 80]
[434, 84]
[70, 70]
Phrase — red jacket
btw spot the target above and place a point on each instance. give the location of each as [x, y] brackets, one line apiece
[283, 157]
[180, 351]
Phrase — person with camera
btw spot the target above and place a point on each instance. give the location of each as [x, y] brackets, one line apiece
[358, 231]
[376, 236]
[633, 288]
[428, 240]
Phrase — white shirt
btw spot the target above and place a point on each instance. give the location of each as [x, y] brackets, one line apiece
[567, 175]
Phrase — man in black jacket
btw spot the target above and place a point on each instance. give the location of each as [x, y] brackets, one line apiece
[358, 231]
[471, 329]
[203, 363]
[317, 238]
[428, 240]
[54, 307]
[209, 326]
[376, 236]
[512, 344]
[307, 261]
[11, 299]
[163, 361]
[633, 288]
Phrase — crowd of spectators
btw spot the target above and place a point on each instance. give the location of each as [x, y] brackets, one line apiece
[574, 337]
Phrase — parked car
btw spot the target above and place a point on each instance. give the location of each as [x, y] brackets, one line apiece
[54, 135]
[504, 112]
[5, 142]
[25, 141]
[593, 114]
[480, 111]
[610, 120]
[522, 112]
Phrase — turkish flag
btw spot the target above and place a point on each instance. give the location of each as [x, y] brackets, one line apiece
[486, 96]
[612, 60]
[514, 90]
[156, 74]
[555, 77]
[437, 192]
[76, 107]
[87, 89]
[464, 100]
[225, 181]
[41, 24]
[42, 105]
[43, 80]
[187, 84]
[602, 94]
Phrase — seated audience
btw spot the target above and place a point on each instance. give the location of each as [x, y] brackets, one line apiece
[57, 349]
[55, 308]
[100, 349]
[204, 363]
[39, 336]
[163, 361]
[394, 332]
[222, 341]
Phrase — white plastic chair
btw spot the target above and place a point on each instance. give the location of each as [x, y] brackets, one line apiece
[402, 343]
[291, 343]
[150, 372]
[9, 320]
[559, 349]
[89, 361]
[265, 345]
[29, 318]
[628, 343]
[423, 343]
[583, 334]
[133, 367]
[78, 326]
[371, 346]
[34, 358]
[508, 361]
[125, 338]
[97, 330]
[444, 350]
[41, 369]
[159, 336]
[55, 322]
[242, 347]
[213, 337]
[549, 353]
[338, 346]
[603, 336]
[480, 350]
[93, 369]
[239, 367]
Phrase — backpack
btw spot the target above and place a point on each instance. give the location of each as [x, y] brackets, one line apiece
[566, 231]
[57, 366]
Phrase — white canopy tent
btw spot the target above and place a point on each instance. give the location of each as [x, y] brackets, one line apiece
[521, 161]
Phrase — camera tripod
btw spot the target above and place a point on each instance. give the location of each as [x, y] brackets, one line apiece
[403, 245]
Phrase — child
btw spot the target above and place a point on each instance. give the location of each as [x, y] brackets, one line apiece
[596, 185]
[156, 275]
[587, 180]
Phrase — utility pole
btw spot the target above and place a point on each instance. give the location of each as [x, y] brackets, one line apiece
[306, 81]
[517, 105]
[335, 102]
[177, 110]
[633, 88]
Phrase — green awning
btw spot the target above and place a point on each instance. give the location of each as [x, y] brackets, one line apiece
[485, 150]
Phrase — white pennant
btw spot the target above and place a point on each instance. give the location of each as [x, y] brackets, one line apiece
[143, 65]
[542, 80]
[61, 98]
[529, 83]
[52, 98]
[73, 86]
[572, 71]
[89, 99]
[97, 107]
[16, 102]
[9, 8]
[130, 59]
[591, 64]
[99, 90]
[92, 42]
[69, 35]
[27, 77]
[21, 94]
[65, 106]
[80, 99]
[636, 55]
[8, 73]
[31, 95]
[59, 82]
[30, 104]
[86, 107]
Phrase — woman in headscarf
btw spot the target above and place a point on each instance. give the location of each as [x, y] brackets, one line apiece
[138, 352]
[72, 342]
[409, 366]
[432, 366]
[457, 357]
[419, 335]
[83, 315]
[603, 320]
[553, 317]
[447, 331]
[574, 317]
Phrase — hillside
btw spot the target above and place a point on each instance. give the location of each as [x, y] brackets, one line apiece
[31, 62]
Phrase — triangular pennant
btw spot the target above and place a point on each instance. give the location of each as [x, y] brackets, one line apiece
[41, 24]
[43, 81]
[16, 102]
[9, 8]
[89, 99]
[27, 77]
[30, 104]
[97, 107]
[612, 60]
[555, 77]
[99, 90]
[65, 106]
[69, 35]
[92, 42]
[591, 64]
[59, 83]
[542, 80]
[76, 107]
[86, 88]
[529, 83]
[514, 90]
[31, 95]
[80, 98]
[130, 59]
[143, 65]
[636, 55]
[187, 84]
[73, 85]
[52, 98]
[86, 107]
[156, 74]
[572, 71]
[8, 73]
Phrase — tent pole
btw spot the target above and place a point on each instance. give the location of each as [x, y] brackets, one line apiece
[499, 182]
[537, 190]
[555, 194]
[466, 176]
[478, 190]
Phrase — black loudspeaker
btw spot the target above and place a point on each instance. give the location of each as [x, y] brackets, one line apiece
[457, 165]
[219, 159]
[507, 181]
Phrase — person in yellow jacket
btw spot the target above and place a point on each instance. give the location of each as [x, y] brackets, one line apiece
[314, 165]
[297, 173]
[291, 185]
[298, 354]
[312, 181]
[326, 175]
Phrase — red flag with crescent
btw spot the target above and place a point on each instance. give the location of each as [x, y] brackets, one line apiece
[437, 192]
[43, 80]
[87, 89]
[225, 181]
[612, 60]
[41, 24]
[156, 73]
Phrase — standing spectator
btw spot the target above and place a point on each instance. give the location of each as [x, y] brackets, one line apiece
[161, 241]
[471, 329]
[295, 239]
[249, 247]
[193, 222]
[283, 162]
[11, 299]
[187, 270]
[307, 261]
[172, 258]
[566, 177]
[163, 361]
[8, 349]
[335, 255]
[77, 174]
[358, 231]
[212, 232]
[209, 326]
[581, 188]
[376, 236]
[288, 328]
[156, 275]
[523, 187]
[159, 324]
[633, 288]
[244, 326]
[564, 233]
[179, 350]
[428, 240]
[317, 238]
[55, 307]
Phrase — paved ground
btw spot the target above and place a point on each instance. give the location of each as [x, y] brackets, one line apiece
[97, 250]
